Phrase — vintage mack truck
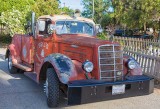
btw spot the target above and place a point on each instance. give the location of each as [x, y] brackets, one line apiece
[64, 53]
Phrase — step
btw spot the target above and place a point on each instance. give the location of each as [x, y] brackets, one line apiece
[23, 67]
[31, 75]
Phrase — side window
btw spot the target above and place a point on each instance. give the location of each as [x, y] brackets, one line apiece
[43, 26]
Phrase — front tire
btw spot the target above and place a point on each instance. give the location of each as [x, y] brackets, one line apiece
[52, 88]
[11, 68]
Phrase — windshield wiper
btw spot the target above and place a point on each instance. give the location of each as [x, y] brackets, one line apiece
[89, 27]
[64, 24]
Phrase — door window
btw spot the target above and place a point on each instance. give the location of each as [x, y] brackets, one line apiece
[43, 26]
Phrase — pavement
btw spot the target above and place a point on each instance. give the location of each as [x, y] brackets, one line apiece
[19, 92]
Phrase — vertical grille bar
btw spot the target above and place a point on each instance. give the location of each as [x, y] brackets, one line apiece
[114, 64]
[110, 62]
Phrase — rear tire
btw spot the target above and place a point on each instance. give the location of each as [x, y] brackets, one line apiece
[11, 68]
[52, 88]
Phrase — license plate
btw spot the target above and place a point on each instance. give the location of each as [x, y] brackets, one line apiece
[118, 89]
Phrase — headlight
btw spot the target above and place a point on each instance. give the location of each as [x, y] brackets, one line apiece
[88, 66]
[132, 64]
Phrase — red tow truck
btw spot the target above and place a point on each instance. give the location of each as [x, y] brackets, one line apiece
[64, 53]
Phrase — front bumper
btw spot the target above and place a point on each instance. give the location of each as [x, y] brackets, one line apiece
[87, 91]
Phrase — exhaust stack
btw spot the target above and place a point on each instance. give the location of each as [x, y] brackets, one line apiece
[33, 23]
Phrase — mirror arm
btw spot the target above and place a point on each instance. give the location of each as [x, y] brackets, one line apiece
[36, 30]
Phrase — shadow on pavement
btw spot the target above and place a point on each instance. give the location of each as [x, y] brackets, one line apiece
[19, 83]
[2, 57]
[157, 84]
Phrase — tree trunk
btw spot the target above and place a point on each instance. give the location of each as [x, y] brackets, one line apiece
[145, 27]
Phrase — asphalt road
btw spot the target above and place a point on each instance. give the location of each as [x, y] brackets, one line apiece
[19, 92]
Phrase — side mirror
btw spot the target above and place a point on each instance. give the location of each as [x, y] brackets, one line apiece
[51, 28]
[98, 29]
[41, 25]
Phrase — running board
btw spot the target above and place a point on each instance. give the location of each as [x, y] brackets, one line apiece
[31, 75]
[23, 67]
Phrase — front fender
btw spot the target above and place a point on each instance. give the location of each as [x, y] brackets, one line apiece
[63, 66]
[136, 71]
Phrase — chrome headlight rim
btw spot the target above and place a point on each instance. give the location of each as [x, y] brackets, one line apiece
[131, 64]
[88, 66]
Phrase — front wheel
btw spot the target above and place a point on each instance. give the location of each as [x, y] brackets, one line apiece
[52, 88]
[11, 68]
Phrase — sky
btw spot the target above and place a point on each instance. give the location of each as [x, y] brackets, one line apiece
[73, 4]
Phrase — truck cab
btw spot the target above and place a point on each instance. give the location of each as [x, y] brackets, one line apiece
[64, 53]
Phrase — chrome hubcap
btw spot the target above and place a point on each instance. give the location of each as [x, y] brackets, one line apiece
[10, 62]
[46, 87]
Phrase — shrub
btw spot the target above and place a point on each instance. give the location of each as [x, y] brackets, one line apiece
[5, 38]
[14, 20]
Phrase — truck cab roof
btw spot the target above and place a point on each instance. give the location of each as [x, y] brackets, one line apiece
[64, 17]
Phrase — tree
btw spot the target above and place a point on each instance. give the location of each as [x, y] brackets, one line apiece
[18, 4]
[67, 10]
[14, 13]
[101, 8]
[46, 7]
[136, 13]
[14, 20]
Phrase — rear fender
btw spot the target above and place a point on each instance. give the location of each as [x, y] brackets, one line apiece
[63, 66]
[15, 48]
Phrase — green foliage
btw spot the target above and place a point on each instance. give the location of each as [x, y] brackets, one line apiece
[14, 20]
[136, 13]
[107, 19]
[5, 38]
[18, 4]
[101, 8]
[102, 36]
[14, 13]
[67, 10]
[45, 7]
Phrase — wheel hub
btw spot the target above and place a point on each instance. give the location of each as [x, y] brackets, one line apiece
[46, 87]
[10, 62]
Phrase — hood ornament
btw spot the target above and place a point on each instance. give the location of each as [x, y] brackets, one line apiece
[111, 37]
[110, 30]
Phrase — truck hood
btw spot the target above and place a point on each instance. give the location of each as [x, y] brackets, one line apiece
[84, 40]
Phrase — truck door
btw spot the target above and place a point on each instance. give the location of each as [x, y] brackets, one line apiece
[27, 49]
[43, 43]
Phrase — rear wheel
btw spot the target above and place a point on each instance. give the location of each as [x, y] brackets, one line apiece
[11, 68]
[52, 88]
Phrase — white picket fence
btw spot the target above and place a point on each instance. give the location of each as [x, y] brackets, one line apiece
[145, 51]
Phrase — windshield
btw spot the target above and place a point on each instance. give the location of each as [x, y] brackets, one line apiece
[74, 27]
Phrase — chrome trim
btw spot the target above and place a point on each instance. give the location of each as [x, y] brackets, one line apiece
[114, 63]
[74, 46]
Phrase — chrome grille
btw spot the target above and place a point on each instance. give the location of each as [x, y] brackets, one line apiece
[110, 62]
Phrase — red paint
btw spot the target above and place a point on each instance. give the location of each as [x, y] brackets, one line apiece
[78, 47]
[27, 49]
[15, 48]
